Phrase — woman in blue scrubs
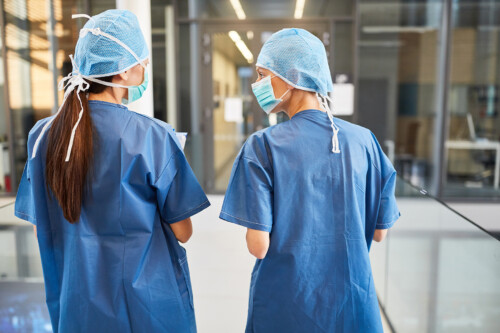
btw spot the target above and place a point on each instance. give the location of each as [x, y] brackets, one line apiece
[111, 194]
[314, 192]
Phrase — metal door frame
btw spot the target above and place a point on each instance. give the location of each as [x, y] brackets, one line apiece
[208, 28]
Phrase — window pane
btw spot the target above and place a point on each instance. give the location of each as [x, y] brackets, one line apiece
[473, 145]
[398, 47]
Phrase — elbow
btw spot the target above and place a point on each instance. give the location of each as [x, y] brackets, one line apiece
[184, 237]
[258, 252]
[257, 243]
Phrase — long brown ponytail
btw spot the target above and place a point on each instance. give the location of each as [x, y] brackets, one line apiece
[67, 180]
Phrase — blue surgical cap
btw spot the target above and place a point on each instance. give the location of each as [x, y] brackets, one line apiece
[299, 58]
[96, 55]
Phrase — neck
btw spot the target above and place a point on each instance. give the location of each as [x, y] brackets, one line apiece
[302, 100]
[111, 95]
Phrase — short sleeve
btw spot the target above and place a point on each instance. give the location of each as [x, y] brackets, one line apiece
[25, 199]
[249, 196]
[178, 192]
[388, 210]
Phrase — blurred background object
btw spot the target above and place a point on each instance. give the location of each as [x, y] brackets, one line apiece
[423, 75]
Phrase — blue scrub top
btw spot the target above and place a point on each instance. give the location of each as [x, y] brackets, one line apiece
[120, 268]
[321, 210]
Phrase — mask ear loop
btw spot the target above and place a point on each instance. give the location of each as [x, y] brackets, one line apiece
[335, 138]
[284, 94]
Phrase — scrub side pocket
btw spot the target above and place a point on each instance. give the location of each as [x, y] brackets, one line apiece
[187, 280]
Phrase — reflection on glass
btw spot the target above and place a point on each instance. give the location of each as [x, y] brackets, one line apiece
[397, 81]
[437, 272]
[36, 58]
[473, 144]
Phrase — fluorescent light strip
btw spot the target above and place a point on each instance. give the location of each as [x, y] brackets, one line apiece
[240, 44]
[396, 29]
[299, 9]
[238, 9]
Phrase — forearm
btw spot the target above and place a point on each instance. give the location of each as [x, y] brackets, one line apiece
[379, 235]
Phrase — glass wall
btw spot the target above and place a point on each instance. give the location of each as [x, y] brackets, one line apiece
[5, 161]
[436, 271]
[38, 38]
[398, 52]
[389, 52]
[473, 140]
[214, 72]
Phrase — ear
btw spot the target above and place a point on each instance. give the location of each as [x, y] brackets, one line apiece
[123, 76]
[289, 87]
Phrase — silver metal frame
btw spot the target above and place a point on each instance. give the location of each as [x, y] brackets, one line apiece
[8, 115]
[442, 89]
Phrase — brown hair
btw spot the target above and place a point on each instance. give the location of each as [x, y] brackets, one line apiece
[67, 180]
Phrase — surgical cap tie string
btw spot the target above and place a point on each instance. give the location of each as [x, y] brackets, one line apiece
[76, 80]
[335, 137]
[98, 32]
[71, 81]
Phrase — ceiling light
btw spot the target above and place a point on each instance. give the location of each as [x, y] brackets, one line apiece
[238, 9]
[396, 29]
[240, 44]
[299, 9]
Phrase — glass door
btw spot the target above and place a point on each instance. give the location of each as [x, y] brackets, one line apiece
[233, 114]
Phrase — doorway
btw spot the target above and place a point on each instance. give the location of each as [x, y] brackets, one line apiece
[231, 111]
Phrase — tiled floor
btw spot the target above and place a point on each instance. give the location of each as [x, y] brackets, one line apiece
[220, 272]
[6, 200]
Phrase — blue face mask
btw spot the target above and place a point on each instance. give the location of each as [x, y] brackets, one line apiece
[263, 91]
[136, 92]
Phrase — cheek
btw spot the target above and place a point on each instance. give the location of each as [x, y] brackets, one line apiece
[137, 78]
[279, 88]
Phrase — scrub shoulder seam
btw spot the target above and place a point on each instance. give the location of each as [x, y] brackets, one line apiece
[260, 165]
[250, 159]
[165, 167]
[376, 167]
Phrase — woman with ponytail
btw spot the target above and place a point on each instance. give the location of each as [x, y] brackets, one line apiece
[110, 194]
